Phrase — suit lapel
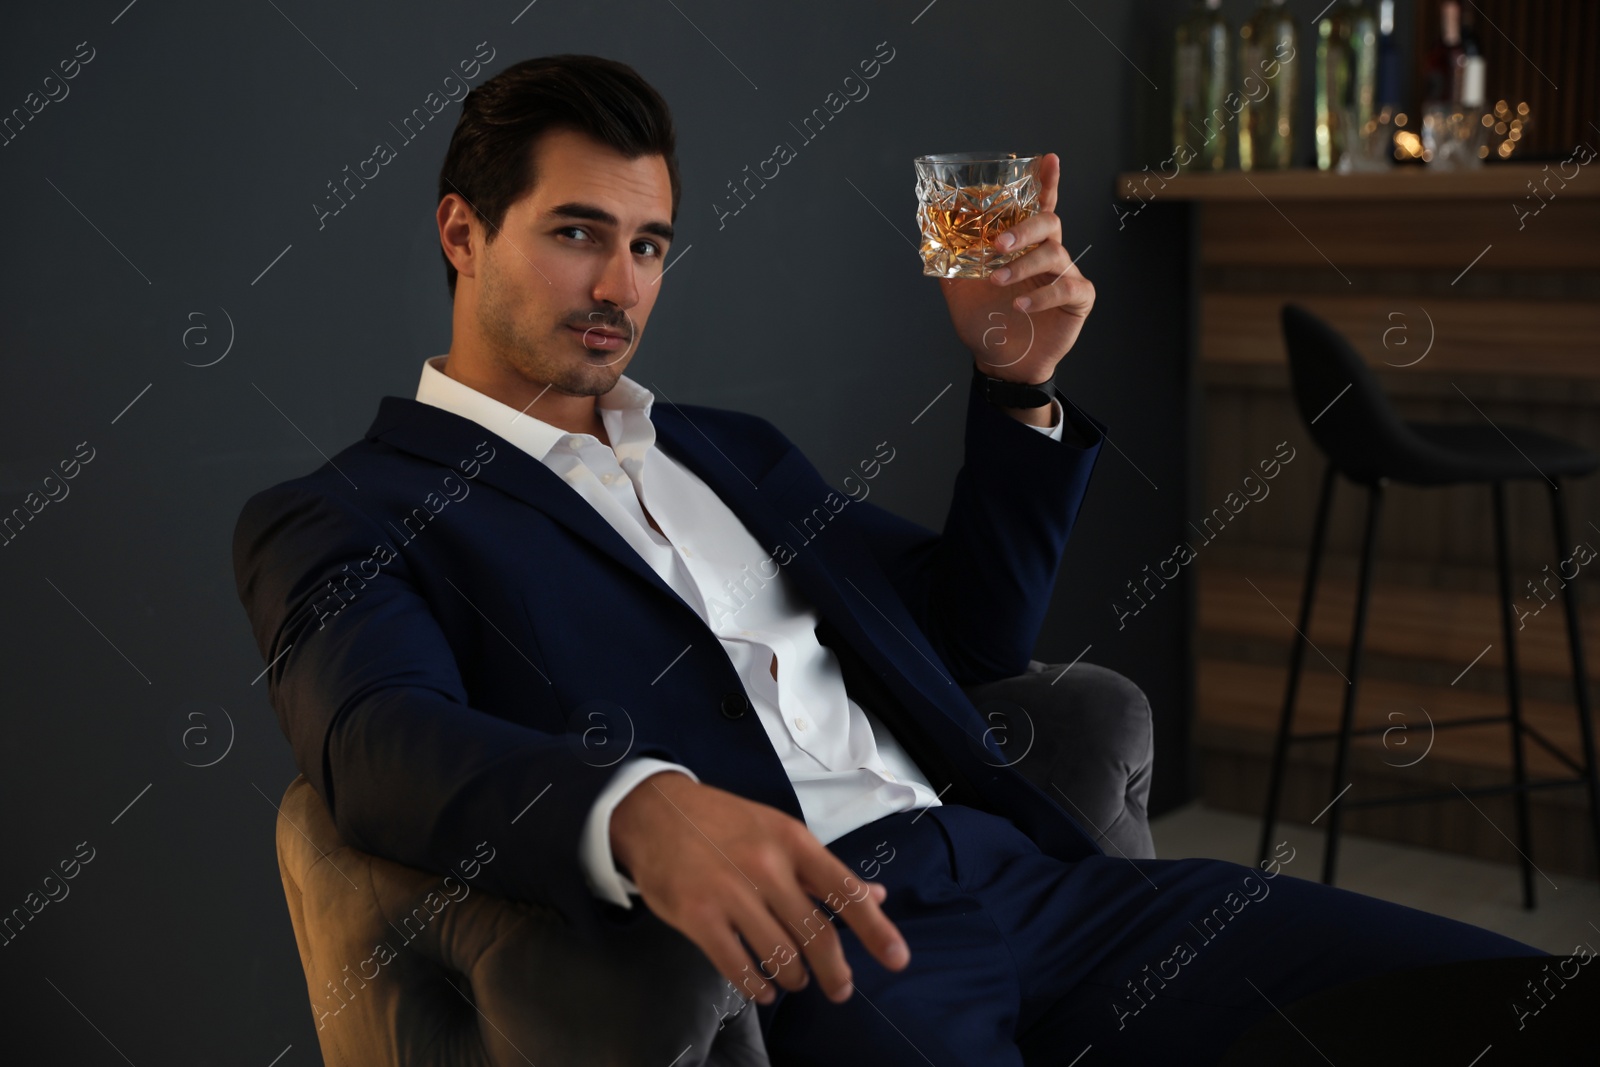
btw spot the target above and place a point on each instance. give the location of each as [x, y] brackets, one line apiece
[447, 438]
[765, 493]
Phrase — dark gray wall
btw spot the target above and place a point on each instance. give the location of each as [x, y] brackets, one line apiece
[171, 190]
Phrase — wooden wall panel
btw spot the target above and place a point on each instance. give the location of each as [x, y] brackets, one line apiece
[1550, 338]
[1346, 236]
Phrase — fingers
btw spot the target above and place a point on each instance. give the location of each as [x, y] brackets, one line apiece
[1049, 179]
[722, 947]
[1066, 288]
[787, 933]
[748, 913]
[810, 927]
[1050, 259]
[773, 943]
[765, 899]
[1037, 228]
[1072, 293]
[825, 876]
[809, 930]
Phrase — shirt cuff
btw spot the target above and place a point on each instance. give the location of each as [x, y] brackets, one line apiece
[1052, 432]
[594, 849]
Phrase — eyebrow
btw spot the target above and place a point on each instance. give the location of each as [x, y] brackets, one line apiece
[598, 214]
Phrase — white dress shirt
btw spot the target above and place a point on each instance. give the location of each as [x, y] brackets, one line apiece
[846, 767]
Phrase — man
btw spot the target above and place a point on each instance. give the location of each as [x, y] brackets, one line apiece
[644, 650]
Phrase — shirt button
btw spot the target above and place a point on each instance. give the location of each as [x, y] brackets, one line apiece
[890, 775]
[800, 724]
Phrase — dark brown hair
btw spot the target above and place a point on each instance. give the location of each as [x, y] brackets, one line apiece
[490, 161]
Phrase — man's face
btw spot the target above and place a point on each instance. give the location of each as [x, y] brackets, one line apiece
[566, 285]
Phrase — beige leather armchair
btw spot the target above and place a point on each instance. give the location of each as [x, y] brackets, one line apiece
[400, 972]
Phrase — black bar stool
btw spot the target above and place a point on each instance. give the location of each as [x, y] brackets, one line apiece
[1362, 438]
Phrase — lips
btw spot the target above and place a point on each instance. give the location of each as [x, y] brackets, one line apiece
[617, 334]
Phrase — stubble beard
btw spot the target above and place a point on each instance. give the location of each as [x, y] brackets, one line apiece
[552, 359]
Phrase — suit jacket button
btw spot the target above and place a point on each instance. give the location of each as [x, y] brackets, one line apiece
[734, 705]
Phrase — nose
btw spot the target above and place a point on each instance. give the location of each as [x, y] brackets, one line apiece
[618, 280]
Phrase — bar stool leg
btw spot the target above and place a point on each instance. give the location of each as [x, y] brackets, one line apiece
[1502, 553]
[1369, 545]
[1580, 679]
[1280, 747]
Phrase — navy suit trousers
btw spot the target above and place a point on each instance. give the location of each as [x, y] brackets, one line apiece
[1020, 958]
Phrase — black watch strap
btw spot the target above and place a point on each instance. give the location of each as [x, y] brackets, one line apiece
[1004, 394]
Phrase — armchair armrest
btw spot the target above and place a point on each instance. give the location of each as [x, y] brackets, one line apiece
[405, 966]
[1083, 734]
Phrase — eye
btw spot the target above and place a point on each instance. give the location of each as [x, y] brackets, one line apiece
[653, 246]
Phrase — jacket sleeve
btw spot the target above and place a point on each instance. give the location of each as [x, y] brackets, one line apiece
[367, 690]
[981, 589]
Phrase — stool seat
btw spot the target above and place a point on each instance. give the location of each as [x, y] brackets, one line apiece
[1455, 452]
[1359, 431]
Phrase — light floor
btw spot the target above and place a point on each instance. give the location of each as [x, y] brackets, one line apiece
[1471, 890]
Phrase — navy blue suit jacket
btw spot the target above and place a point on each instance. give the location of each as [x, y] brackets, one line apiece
[447, 621]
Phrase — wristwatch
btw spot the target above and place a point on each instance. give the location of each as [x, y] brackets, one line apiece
[1004, 394]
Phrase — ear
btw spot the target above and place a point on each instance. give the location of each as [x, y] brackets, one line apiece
[455, 220]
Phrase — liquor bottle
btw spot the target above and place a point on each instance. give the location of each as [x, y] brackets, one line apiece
[1200, 67]
[1362, 100]
[1388, 60]
[1269, 74]
[1471, 68]
[1444, 61]
[1346, 79]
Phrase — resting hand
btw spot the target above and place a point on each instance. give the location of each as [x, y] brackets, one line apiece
[717, 867]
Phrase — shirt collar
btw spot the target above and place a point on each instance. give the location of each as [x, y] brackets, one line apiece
[625, 410]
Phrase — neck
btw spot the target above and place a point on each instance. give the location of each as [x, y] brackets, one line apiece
[574, 414]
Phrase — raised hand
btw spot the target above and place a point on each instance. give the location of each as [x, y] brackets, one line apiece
[1023, 319]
